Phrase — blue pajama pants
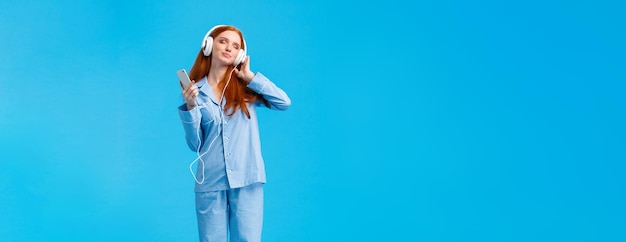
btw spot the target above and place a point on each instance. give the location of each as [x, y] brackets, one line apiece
[238, 211]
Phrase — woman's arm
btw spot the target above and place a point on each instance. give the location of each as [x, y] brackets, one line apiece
[191, 117]
[276, 97]
[191, 124]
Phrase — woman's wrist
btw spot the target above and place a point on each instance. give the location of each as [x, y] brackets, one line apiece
[191, 106]
[249, 77]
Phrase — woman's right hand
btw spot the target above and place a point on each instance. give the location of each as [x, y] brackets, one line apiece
[190, 93]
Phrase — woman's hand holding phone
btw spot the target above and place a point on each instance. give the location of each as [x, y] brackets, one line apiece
[190, 91]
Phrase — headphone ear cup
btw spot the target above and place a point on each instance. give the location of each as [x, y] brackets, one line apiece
[207, 42]
[240, 57]
[207, 47]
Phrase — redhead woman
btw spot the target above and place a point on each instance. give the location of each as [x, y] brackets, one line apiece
[220, 122]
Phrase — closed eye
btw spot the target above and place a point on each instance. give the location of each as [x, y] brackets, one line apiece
[226, 41]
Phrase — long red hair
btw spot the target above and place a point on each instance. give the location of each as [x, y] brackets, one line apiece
[237, 94]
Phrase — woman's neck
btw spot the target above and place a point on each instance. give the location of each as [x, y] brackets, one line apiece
[216, 74]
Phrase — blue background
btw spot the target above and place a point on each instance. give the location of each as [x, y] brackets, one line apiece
[411, 120]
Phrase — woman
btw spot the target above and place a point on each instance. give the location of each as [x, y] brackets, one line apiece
[220, 122]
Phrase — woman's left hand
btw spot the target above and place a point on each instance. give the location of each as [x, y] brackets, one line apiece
[245, 73]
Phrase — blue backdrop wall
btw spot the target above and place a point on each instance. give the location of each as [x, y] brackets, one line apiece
[411, 120]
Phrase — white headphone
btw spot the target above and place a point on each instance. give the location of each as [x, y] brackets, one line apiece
[207, 46]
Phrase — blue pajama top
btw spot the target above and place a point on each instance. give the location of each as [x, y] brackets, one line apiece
[234, 158]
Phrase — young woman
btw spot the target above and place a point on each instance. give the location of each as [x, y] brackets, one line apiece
[220, 122]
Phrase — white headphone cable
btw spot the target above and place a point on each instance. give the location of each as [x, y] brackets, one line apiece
[216, 136]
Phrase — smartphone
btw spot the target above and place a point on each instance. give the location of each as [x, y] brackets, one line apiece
[183, 77]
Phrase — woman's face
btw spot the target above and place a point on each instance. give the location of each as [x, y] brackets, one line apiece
[226, 46]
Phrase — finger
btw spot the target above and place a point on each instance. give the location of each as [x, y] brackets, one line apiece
[191, 86]
[189, 92]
